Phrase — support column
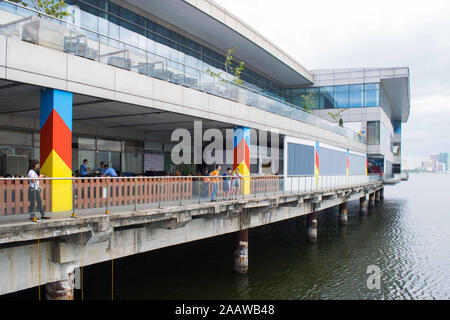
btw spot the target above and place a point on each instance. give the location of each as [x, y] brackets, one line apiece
[382, 194]
[61, 290]
[241, 252]
[241, 142]
[56, 145]
[378, 196]
[312, 227]
[372, 200]
[343, 213]
[363, 205]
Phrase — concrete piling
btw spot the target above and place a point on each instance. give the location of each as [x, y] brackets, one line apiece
[61, 290]
[241, 252]
[312, 227]
[343, 218]
[372, 200]
[382, 194]
[363, 205]
[378, 196]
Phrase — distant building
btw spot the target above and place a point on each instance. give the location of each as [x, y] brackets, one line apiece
[440, 167]
[428, 165]
[443, 157]
[435, 158]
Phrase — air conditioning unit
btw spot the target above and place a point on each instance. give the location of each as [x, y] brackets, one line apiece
[15, 165]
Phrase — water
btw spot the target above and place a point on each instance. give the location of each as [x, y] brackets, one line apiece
[407, 237]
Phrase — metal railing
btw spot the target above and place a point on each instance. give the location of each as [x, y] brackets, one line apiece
[61, 35]
[104, 194]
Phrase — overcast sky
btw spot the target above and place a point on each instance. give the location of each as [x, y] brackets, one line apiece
[359, 33]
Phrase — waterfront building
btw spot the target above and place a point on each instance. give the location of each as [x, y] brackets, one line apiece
[137, 70]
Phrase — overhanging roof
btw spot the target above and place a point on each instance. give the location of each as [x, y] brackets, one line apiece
[213, 24]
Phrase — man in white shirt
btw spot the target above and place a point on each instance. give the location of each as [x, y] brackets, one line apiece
[34, 195]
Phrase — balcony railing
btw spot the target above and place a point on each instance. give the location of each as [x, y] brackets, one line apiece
[61, 35]
[98, 194]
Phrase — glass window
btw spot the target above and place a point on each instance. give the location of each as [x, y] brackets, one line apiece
[356, 99]
[327, 97]
[356, 87]
[341, 88]
[132, 162]
[341, 99]
[110, 145]
[371, 98]
[86, 143]
[111, 157]
[85, 154]
[371, 86]
[373, 132]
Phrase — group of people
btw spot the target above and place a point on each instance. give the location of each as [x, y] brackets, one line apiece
[231, 182]
[105, 169]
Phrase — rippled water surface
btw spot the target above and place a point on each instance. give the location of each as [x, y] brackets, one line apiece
[407, 237]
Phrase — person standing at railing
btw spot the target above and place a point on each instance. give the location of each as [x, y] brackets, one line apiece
[228, 176]
[34, 190]
[214, 174]
[236, 182]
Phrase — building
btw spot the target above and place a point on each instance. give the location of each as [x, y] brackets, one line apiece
[435, 158]
[428, 165]
[443, 157]
[440, 167]
[137, 70]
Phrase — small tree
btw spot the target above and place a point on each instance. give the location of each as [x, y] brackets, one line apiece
[229, 69]
[308, 101]
[54, 8]
[337, 116]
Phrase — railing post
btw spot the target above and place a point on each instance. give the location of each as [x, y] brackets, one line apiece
[135, 194]
[73, 199]
[107, 196]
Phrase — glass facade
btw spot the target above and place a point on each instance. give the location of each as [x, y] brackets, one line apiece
[115, 21]
[339, 96]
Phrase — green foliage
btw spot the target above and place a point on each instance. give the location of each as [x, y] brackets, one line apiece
[308, 101]
[229, 69]
[54, 8]
[337, 116]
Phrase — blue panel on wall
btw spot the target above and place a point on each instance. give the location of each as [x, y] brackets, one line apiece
[357, 164]
[332, 162]
[300, 159]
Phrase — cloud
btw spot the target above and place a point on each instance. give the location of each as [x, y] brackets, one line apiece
[354, 33]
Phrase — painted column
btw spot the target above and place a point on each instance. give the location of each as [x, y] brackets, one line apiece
[372, 200]
[343, 218]
[241, 252]
[363, 205]
[61, 290]
[242, 156]
[312, 227]
[56, 145]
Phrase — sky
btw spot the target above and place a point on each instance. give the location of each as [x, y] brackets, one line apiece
[322, 34]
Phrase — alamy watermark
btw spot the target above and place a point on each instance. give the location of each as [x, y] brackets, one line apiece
[374, 280]
[220, 150]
